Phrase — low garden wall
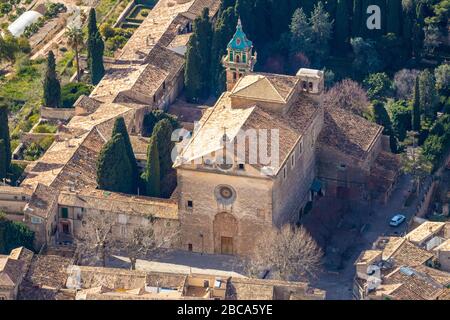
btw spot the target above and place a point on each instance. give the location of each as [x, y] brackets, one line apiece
[57, 113]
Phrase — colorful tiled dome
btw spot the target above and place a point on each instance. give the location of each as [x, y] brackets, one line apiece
[239, 41]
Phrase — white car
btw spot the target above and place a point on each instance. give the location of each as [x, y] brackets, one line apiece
[397, 220]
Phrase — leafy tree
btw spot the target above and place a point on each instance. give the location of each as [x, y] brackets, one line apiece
[416, 108]
[8, 47]
[96, 48]
[416, 164]
[442, 76]
[404, 81]
[120, 128]
[114, 170]
[378, 86]
[52, 87]
[431, 39]
[366, 58]
[5, 148]
[13, 235]
[75, 41]
[72, 91]
[290, 254]
[348, 95]
[400, 114]
[163, 135]
[151, 175]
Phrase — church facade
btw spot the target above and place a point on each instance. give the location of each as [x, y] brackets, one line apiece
[224, 205]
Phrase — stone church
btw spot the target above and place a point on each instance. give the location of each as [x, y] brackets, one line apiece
[225, 205]
[258, 158]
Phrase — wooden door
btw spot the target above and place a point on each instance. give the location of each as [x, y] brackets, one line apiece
[227, 245]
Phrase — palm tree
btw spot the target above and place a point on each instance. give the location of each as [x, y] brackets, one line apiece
[75, 41]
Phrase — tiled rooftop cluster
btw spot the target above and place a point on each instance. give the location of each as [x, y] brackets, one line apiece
[410, 267]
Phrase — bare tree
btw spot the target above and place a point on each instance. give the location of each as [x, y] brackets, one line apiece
[404, 81]
[96, 237]
[290, 253]
[147, 240]
[348, 95]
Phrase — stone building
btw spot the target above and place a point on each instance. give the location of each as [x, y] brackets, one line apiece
[413, 267]
[13, 268]
[294, 149]
[227, 197]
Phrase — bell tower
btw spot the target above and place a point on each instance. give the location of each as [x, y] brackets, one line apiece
[240, 59]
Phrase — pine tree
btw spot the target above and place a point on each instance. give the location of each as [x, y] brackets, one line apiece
[52, 87]
[151, 175]
[5, 147]
[416, 108]
[163, 135]
[120, 127]
[114, 170]
[96, 48]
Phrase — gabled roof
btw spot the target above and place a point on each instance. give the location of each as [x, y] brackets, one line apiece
[265, 87]
[239, 40]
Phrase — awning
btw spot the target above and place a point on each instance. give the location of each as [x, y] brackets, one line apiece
[316, 185]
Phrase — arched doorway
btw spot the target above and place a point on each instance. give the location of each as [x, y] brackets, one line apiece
[225, 228]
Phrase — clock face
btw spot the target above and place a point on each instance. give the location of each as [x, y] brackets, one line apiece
[226, 192]
[238, 41]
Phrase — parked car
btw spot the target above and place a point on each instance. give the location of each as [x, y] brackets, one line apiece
[397, 220]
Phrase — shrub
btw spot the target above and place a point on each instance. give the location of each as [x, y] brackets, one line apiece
[72, 91]
[14, 234]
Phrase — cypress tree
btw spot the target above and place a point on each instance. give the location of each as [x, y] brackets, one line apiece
[120, 127]
[381, 117]
[393, 19]
[151, 175]
[198, 59]
[163, 136]
[223, 33]
[52, 87]
[357, 18]
[342, 25]
[95, 48]
[416, 107]
[428, 96]
[5, 147]
[114, 170]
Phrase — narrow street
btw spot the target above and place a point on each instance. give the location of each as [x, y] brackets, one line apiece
[339, 284]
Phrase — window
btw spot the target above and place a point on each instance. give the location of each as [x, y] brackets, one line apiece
[154, 98]
[15, 198]
[231, 56]
[23, 198]
[123, 231]
[190, 246]
[244, 58]
[190, 204]
[234, 75]
[284, 172]
[164, 85]
[241, 166]
[64, 213]
[300, 148]
[36, 220]
[304, 85]
[238, 58]
[293, 160]
[310, 86]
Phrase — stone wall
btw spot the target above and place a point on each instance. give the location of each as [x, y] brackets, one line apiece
[291, 193]
[64, 114]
